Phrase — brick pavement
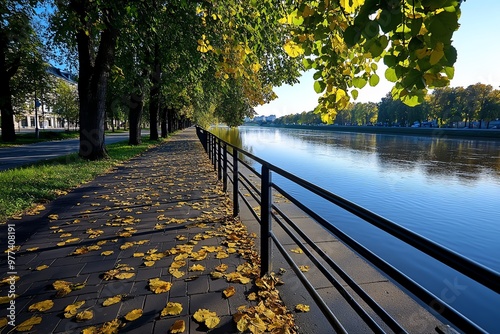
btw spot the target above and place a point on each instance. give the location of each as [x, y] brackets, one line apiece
[154, 204]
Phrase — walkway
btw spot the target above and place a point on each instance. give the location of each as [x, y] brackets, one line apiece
[151, 232]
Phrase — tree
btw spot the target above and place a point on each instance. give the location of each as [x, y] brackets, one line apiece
[94, 26]
[19, 48]
[342, 41]
[65, 103]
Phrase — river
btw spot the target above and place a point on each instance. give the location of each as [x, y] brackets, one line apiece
[447, 190]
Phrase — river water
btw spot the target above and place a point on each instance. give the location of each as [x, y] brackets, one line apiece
[447, 190]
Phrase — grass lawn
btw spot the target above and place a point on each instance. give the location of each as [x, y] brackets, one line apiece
[23, 187]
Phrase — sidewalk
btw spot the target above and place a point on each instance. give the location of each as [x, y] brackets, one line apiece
[153, 231]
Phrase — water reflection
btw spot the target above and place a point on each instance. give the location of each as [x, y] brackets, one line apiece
[435, 156]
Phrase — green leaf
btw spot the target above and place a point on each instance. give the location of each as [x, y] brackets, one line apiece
[307, 63]
[354, 94]
[374, 80]
[451, 55]
[319, 86]
[390, 60]
[378, 46]
[317, 75]
[371, 29]
[389, 20]
[351, 36]
[442, 26]
[411, 101]
[415, 26]
[390, 74]
[359, 82]
[450, 72]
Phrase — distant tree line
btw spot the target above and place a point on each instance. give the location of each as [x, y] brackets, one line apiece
[446, 106]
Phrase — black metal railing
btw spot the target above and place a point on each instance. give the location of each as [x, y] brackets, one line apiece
[219, 150]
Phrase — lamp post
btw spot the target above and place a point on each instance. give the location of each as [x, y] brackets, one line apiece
[37, 104]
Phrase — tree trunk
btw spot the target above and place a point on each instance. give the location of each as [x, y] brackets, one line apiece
[163, 119]
[93, 80]
[7, 113]
[134, 116]
[154, 94]
[170, 120]
[6, 73]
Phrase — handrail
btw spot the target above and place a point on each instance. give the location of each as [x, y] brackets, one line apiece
[477, 272]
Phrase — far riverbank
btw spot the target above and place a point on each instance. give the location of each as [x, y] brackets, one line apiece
[484, 134]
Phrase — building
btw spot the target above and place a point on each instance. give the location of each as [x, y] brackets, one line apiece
[47, 119]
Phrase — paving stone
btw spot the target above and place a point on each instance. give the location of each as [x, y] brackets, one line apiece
[212, 301]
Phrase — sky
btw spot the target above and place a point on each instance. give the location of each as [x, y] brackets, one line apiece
[477, 44]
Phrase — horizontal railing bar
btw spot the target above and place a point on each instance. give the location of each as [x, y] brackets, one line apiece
[393, 324]
[347, 296]
[422, 293]
[472, 269]
[314, 294]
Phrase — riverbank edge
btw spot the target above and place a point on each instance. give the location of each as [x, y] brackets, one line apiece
[482, 134]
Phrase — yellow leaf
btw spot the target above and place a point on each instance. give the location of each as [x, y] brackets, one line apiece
[112, 300]
[196, 267]
[149, 263]
[72, 240]
[237, 277]
[297, 250]
[3, 322]
[42, 306]
[172, 309]
[302, 308]
[27, 325]
[230, 291]
[158, 286]
[72, 309]
[42, 267]
[134, 314]
[212, 322]
[84, 315]
[107, 253]
[216, 275]
[221, 255]
[207, 317]
[304, 268]
[178, 327]
[53, 216]
[124, 275]
[90, 330]
[138, 255]
[176, 273]
[437, 54]
[293, 49]
[252, 296]
[222, 267]
[32, 249]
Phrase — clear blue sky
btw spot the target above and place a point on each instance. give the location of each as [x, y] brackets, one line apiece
[476, 41]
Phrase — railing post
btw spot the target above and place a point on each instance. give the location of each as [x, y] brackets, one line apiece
[214, 152]
[224, 168]
[236, 203]
[219, 156]
[265, 221]
[209, 146]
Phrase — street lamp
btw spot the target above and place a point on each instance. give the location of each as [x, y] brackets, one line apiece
[37, 104]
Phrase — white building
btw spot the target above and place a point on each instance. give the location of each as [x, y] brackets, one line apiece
[47, 119]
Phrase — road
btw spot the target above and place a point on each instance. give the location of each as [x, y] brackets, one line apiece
[13, 157]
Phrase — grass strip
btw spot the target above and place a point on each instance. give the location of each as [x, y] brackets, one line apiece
[23, 187]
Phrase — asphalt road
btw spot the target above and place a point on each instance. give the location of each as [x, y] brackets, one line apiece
[13, 157]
